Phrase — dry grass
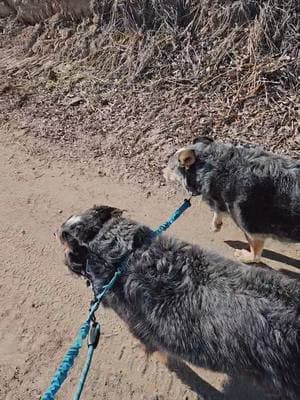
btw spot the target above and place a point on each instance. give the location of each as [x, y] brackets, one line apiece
[150, 74]
[239, 48]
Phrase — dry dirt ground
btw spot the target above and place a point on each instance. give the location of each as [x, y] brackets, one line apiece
[42, 305]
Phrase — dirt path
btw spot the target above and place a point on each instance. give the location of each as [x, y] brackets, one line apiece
[42, 305]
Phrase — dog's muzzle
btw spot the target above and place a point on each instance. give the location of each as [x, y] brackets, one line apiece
[169, 175]
[75, 255]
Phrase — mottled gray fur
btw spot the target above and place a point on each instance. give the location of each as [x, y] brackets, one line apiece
[258, 189]
[192, 303]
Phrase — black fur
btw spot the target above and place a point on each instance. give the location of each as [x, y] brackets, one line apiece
[258, 189]
[192, 303]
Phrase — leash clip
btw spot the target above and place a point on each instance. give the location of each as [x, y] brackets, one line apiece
[188, 198]
[94, 335]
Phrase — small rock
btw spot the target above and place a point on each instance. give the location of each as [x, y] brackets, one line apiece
[23, 231]
[22, 100]
[75, 101]
[5, 88]
[104, 102]
[52, 76]
[60, 211]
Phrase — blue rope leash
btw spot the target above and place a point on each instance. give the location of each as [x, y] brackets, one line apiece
[90, 326]
[67, 362]
[92, 344]
[172, 218]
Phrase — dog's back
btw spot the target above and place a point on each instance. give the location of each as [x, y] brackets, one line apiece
[260, 190]
[264, 193]
[216, 313]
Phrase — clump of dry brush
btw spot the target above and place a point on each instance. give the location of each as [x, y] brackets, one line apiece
[241, 47]
[153, 73]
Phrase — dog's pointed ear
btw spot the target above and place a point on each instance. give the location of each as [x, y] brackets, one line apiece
[186, 157]
[105, 213]
[203, 139]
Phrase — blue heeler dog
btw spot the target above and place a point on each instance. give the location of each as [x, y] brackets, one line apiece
[258, 189]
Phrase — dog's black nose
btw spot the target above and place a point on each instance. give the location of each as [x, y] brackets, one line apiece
[62, 234]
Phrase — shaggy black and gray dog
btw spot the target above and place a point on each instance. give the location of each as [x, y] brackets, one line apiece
[191, 303]
[258, 189]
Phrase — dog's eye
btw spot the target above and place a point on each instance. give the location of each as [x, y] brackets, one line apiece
[91, 234]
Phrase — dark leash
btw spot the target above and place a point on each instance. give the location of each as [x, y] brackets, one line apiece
[92, 328]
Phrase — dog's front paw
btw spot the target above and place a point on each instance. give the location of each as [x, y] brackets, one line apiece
[245, 257]
[216, 226]
[216, 223]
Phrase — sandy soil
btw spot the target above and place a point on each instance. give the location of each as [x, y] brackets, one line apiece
[42, 305]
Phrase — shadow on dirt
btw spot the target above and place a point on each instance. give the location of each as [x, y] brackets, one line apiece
[270, 254]
[235, 389]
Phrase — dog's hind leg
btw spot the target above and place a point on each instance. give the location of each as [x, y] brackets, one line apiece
[159, 356]
[256, 248]
[155, 355]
